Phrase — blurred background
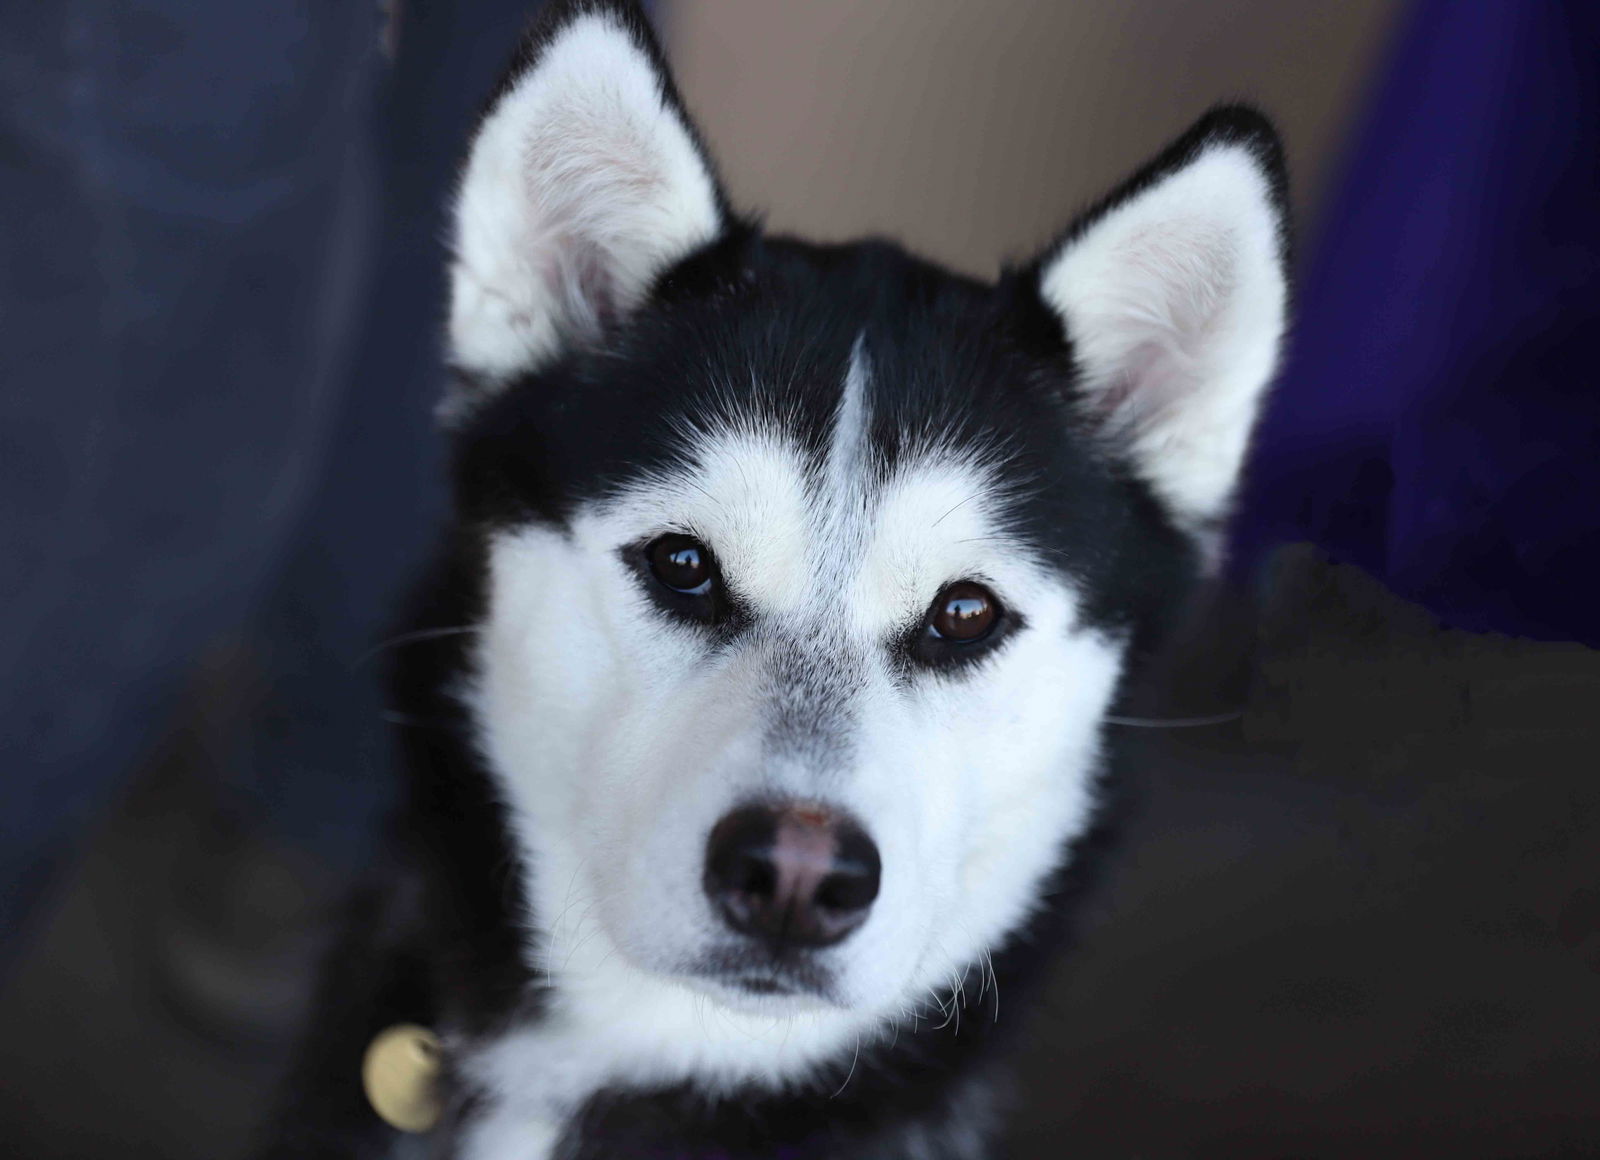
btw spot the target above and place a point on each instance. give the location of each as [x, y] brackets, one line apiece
[1357, 915]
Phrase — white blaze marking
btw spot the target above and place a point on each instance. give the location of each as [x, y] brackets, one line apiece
[841, 509]
[850, 446]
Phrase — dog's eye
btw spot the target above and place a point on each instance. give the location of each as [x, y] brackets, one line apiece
[682, 563]
[964, 613]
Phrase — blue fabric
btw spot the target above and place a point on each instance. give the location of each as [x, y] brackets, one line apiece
[1438, 420]
[313, 768]
[220, 286]
[186, 187]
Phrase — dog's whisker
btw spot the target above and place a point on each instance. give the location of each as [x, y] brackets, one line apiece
[994, 980]
[555, 929]
[958, 507]
[593, 903]
[854, 1059]
[416, 637]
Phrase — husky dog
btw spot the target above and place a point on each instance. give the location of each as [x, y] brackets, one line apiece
[754, 709]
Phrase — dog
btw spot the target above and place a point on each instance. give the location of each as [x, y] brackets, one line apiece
[753, 716]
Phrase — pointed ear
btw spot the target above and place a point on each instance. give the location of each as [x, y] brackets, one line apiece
[1173, 296]
[584, 182]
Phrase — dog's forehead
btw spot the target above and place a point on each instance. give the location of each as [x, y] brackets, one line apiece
[757, 412]
[839, 521]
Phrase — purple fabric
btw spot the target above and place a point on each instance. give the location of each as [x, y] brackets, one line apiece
[1438, 421]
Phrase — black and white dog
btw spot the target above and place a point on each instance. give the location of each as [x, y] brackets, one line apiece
[754, 710]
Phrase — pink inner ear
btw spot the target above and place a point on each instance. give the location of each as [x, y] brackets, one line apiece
[593, 282]
[1149, 380]
[1180, 275]
[577, 273]
[584, 181]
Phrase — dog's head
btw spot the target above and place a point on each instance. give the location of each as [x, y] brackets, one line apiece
[811, 571]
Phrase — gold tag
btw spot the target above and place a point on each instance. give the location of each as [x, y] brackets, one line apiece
[400, 1073]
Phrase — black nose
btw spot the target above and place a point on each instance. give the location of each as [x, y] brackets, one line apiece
[793, 876]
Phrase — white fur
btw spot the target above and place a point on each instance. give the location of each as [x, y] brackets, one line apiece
[581, 186]
[1175, 302]
[619, 739]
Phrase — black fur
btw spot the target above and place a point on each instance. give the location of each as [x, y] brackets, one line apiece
[784, 316]
[436, 936]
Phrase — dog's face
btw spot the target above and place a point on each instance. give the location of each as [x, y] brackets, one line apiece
[811, 572]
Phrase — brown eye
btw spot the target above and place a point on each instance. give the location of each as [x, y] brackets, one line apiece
[682, 563]
[964, 612]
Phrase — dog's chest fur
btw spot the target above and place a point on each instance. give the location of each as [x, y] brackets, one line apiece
[590, 1111]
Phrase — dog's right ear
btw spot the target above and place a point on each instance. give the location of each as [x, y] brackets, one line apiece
[584, 182]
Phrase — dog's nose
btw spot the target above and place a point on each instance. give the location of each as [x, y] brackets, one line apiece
[792, 875]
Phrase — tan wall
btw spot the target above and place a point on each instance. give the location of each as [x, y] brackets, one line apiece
[972, 129]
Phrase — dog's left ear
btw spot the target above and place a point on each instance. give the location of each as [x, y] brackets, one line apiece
[1173, 297]
[584, 182]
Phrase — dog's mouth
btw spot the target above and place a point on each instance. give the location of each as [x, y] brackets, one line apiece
[766, 978]
[761, 985]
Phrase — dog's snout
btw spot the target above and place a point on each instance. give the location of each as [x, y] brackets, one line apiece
[792, 875]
